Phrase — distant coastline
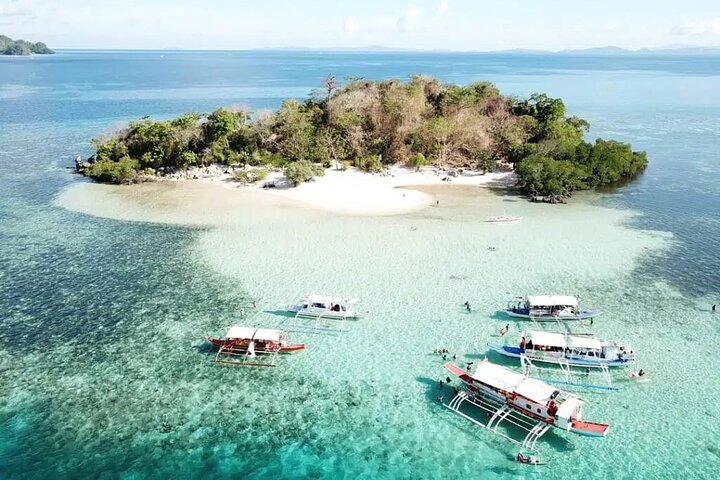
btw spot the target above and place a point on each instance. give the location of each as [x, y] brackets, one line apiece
[608, 51]
[8, 46]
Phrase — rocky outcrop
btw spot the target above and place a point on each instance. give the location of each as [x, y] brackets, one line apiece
[197, 173]
[553, 199]
[81, 166]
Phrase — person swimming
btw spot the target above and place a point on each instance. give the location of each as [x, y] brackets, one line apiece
[637, 375]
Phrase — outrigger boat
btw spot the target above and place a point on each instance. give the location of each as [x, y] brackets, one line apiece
[560, 348]
[503, 219]
[527, 403]
[543, 308]
[320, 306]
[242, 345]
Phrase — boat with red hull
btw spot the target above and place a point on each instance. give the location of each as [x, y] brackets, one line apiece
[242, 345]
[523, 401]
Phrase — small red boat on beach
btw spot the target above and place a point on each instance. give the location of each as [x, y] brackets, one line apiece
[241, 345]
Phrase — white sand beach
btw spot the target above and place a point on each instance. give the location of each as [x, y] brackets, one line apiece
[359, 193]
[219, 199]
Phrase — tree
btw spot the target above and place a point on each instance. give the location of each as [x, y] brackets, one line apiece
[330, 85]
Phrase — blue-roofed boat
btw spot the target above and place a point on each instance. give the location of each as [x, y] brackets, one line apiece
[548, 308]
[560, 348]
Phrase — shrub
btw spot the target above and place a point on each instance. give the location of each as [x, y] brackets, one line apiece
[302, 171]
[122, 171]
[185, 159]
[485, 160]
[370, 163]
[251, 176]
[344, 165]
[419, 160]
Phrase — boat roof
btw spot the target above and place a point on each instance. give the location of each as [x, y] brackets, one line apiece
[550, 300]
[252, 333]
[536, 390]
[497, 376]
[568, 406]
[550, 339]
[324, 299]
[505, 379]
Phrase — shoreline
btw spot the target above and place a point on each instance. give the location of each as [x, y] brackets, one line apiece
[219, 199]
[355, 192]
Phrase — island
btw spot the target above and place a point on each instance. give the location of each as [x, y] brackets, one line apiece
[371, 126]
[8, 46]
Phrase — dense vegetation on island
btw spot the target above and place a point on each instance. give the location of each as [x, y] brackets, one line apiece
[371, 124]
[8, 46]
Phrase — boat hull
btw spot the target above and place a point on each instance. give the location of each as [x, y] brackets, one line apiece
[522, 314]
[287, 348]
[589, 429]
[325, 314]
[573, 360]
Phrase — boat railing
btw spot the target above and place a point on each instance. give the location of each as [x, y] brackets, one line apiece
[316, 328]
[499, 413]
[568, 375]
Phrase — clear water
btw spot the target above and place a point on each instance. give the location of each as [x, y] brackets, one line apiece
[103, 369]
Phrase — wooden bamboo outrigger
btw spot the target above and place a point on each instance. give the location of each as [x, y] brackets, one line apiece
[565, 368]
[498, 412]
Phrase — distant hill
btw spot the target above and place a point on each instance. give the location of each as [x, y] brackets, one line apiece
[8, 46]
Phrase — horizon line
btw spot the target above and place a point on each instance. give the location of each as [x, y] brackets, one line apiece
[608, 49]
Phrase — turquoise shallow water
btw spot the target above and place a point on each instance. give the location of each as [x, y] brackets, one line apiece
[102, 365]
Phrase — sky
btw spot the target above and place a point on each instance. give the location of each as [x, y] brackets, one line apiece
[481, 25]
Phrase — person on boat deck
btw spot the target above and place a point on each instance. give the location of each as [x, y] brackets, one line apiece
[522, 343]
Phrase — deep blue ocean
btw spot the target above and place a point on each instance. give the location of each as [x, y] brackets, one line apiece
[66, 279]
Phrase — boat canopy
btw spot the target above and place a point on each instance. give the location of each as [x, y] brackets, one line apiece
[584, 342]
[497, 376]
[536, 390]
[569, 406]
[552, 300]
[549, 339]
[325, 299]
[252, 333]
[510, 381]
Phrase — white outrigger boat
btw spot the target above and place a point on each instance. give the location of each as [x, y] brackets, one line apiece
[322, 307]
[503, 219]
[567, 349]
[524, 402]
[544, 308]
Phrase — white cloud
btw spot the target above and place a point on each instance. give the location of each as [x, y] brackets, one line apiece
[15, 9]
[442, 8]
[612, 26]
[409, 20]
[349, 25]
[693, 26]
